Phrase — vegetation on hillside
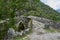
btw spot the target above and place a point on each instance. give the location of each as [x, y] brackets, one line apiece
[9, 9]
[41, 10]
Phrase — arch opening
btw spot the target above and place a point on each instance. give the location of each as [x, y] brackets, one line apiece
[21, 27]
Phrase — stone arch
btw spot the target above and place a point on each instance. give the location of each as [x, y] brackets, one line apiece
[21, 26]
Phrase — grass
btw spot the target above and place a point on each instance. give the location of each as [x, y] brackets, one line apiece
[22, 38]
[52, 30]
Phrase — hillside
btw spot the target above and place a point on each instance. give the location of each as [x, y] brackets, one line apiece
[13, 16]
[42, 10]
[10, 9]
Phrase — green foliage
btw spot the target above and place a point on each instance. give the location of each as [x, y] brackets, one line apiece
[5, 26]
[8, 9]
[3, 32]
[41, 10]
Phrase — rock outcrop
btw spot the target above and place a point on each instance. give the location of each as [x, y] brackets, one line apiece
[39, 33]
[48, 23]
